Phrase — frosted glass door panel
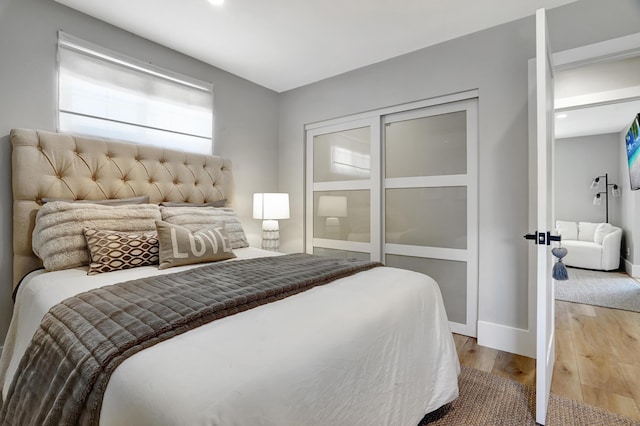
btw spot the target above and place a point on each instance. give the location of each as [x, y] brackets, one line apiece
[432, 217]
[429, 146]
[400, 184]
[344, 155]
[342, 215]
[345, 254]
[450, 275]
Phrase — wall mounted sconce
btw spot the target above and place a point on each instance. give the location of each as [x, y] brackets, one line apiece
[597, 199]
[333, 208]
[270, 207]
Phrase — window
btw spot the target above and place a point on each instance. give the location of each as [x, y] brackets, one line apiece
[105, 94]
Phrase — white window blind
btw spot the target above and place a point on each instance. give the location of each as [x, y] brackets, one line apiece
[105, 94]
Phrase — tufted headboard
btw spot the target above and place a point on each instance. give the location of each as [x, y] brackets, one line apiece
[54, 165]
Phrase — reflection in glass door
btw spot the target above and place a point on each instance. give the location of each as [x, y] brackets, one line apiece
[399, 185]
[430, 202]
[342, 186]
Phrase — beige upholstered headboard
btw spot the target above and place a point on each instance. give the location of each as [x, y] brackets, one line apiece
[54, 165]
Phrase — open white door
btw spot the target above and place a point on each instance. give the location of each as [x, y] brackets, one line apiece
[541, 185]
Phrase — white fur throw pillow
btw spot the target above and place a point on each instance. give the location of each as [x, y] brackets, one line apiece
[58, 237]
[602, 231]
[568, 230]
[197, 218]
[587, 231]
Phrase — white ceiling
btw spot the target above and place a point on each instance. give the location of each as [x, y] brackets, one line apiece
[284, 44]
[598, 120]
[598, 98]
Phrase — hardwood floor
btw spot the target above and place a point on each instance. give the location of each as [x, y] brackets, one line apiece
[504, 364]
[597, 358]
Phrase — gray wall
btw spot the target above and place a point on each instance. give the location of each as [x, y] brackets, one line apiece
[495, 62]
[248, 122]
[629, 208]
[591, 21]
[246, 114]
[577, 161]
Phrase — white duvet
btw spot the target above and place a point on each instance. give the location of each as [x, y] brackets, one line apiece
[371, 349]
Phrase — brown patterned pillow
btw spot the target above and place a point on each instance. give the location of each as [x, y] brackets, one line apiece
[115, 250]
[180, 246]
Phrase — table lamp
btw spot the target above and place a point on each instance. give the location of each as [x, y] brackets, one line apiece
[270, 207]
[333, 207]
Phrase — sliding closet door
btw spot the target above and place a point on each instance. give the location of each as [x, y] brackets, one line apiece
[400, 185]
[343, 190]
[430, 202]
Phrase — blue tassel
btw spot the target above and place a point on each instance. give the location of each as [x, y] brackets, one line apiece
[560, 271]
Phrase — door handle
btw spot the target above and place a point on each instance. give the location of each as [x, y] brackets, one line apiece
[550, 237]
[533, 236]
[543, 237]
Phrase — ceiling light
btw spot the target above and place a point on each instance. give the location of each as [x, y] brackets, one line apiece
[561, 115]
[216, 2]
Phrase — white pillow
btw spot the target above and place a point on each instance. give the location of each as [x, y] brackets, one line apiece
[586, 231]
[602, 231]
[568, 230]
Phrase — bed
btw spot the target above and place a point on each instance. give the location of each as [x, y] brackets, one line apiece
[369, 348]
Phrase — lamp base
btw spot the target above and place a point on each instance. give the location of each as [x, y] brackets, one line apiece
[270, 235]
[332, 228]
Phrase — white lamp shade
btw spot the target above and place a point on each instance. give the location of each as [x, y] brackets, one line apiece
[597, 200]
[271, 206]
[332, 206]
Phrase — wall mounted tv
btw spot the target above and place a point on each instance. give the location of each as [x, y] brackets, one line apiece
[632, 141]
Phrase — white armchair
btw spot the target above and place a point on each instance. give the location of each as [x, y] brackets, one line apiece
[591, 245]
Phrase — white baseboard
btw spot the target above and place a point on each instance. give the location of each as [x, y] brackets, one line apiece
[508, 339]
[631, 269]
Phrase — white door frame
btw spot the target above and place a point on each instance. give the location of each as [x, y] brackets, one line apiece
[617, 48]
[541, 178]
[374, 119]
[621, 47]
[371, 184]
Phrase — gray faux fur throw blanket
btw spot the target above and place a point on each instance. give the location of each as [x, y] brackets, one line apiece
[64, 373]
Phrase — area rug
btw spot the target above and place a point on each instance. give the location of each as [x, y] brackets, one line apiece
[609, 289]
[486, 399]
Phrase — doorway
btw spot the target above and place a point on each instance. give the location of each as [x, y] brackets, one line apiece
[597, 346]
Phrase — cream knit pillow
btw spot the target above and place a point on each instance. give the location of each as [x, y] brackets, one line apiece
[58, 237]
[197, 218]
